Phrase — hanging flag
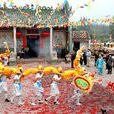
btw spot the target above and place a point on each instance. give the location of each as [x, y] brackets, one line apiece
[89, 4]
[58, 7]
[24, 42]
[11, 2]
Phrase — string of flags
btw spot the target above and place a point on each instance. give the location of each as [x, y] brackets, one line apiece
[52, 18]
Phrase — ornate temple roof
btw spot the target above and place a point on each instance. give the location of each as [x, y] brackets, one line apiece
[29, 17]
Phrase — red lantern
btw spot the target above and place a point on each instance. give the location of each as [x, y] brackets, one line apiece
[65, 26]
[18, 34]
[45, 34]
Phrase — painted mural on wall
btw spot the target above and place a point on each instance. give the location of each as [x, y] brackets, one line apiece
[59, 40]
[6, 36]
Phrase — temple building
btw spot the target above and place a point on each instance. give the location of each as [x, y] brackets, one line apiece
[80, 38]
[39, 32]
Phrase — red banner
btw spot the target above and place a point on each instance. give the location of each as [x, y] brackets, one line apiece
[24, 42]
[33, 37]
[45, 34]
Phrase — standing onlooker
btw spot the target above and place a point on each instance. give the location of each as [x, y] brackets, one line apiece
[88, 54]
[81, 60]
[100, 63]
[106, 59]
[73, 55]
[85, 57]
[109, 64]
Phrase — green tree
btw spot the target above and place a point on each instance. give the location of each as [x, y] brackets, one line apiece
[112, 29]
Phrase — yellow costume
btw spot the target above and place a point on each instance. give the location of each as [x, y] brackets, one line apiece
[49, 70]
[85, 82]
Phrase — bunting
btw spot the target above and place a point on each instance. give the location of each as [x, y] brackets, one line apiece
[50, 19]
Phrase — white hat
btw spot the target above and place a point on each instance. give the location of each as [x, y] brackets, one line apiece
[56, 77]
[16, 77]
[38, 75]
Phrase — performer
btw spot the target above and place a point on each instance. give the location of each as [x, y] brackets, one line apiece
[5, 60]
[38, 88]
[3, 86]
[20, 68]
[77, 95]
[1, 61]
[54, 92]
[17, 93]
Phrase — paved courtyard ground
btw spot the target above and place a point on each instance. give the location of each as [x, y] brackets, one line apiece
[100, 96]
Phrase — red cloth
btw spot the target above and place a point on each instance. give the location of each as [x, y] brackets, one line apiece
[45, 34]
[24, 42]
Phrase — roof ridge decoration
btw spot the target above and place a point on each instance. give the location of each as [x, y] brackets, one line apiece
[29, 16]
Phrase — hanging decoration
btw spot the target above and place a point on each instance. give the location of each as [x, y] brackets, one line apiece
[44, 17]
[18, 34]
[38, 10]
[89, 4]
[2, 11]
[24, 42]
[45, 34]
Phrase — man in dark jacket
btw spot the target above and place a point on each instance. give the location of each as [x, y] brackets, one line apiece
[109, 64]
[73, 55]
[85, 58]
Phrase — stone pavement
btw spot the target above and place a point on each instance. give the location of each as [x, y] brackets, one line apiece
[106, 77]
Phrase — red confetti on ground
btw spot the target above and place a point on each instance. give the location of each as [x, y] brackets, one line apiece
[98, 98]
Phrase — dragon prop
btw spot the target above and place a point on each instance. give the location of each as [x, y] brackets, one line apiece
[82, 80]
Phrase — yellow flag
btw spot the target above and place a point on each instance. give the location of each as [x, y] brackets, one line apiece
[89, 4]
[11, 1]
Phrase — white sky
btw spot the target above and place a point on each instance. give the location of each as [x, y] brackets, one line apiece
[99, 8]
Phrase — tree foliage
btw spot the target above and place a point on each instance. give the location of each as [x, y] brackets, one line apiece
[112, 29]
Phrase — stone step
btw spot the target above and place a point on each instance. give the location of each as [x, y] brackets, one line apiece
[34, 60]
